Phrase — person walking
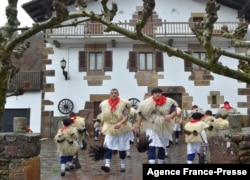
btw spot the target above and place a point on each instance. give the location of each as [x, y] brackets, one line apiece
[116, 128]
[131, 120]
[154, 117]
[80, 124]
[221, 118]
[213, 126]
[66, 144]
[195, 136]
[222, 114]
[177, 125]
[177, 128]
[97, 125]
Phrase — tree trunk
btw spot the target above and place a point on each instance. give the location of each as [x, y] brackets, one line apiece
[5, 73]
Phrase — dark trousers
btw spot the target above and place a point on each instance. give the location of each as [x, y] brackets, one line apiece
[177, 134]
[152, 153]
[108, 154]
[65, 159]
[97, 133]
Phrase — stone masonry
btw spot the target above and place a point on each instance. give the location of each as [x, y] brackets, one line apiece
[231, 146]
[19, 156]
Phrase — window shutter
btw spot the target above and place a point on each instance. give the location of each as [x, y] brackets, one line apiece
[187, 64]
[132, 62]
[159, 66]
[82, 61]
[108, 61]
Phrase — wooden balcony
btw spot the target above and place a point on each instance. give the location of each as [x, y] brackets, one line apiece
[34, 78]
[156, 30]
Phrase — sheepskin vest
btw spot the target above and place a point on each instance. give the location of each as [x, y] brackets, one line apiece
[154, 116]
[223, 123]
[110, 118]
[66, 141]
[213, 126]
[194, 130]
[132, 115]
[79, 122]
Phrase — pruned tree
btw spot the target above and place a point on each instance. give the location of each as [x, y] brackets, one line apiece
[12, 45]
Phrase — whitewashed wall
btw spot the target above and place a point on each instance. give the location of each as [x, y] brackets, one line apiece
[78, 91]
[30, 100]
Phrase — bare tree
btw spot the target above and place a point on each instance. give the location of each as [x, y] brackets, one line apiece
[12, 45]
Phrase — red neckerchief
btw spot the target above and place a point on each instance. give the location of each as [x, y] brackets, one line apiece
[73, 118]
[113, 103]
[159, 102]
[194, 121]
[227, 106]
[64, 128]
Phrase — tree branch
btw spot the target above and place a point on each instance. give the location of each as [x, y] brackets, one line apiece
[148, 7]
[18, 92]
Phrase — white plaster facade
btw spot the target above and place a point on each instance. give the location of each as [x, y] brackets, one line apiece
[78, 90]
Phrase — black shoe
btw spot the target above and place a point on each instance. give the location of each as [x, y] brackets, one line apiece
[63, 173]
[105, 169]
[72, 166]
[122, 169]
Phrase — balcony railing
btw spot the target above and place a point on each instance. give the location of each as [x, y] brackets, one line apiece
[34, 78]
[162, 29]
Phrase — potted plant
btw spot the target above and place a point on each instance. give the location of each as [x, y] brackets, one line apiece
[26, 84]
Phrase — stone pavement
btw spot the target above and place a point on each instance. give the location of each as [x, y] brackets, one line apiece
[91, 170]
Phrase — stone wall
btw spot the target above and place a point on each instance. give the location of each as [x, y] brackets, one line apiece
[230, 147]
[19, 156]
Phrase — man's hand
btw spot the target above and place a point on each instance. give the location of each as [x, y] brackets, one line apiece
[117, 125]
[136, 128]
[168, 117]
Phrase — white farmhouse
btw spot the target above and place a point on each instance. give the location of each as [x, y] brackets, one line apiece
[97, 61]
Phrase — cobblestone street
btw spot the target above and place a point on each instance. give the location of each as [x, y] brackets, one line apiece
[91, 170]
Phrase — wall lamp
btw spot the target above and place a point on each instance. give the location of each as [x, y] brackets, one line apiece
[63, 63]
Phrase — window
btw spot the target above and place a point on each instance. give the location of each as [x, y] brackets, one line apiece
[92, 61]
[95, 61]
[200, 55]
[214, 99]
[145, 61]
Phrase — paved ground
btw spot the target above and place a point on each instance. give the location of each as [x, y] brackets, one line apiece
[91, 170]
